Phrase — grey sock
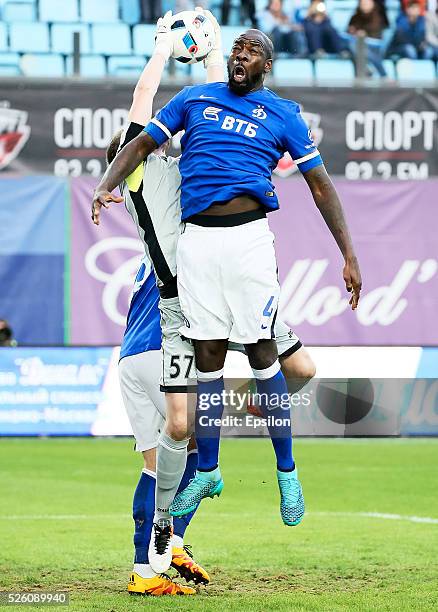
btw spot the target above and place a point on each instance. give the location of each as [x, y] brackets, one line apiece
[171, 463]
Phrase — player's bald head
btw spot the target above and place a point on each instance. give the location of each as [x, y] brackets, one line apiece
[258, 37]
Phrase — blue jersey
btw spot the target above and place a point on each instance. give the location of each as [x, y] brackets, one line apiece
[232, 143]
[143, 331]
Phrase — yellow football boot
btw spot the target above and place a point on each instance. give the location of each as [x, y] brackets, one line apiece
[183, 562]
[157, 586]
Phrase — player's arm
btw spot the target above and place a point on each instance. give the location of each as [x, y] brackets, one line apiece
[168, 121]
[330, 207]
[124, 164]
[299, 143]
[139, 115]
[149, 81]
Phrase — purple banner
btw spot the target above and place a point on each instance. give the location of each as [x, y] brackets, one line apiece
[394, 226]
[104, 260]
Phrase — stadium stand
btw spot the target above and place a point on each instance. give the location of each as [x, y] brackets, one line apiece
[390, 69]
[334, 70]
[94, 11]
[411, 71]
[19, 11]
[299, 69]
[29, 37]
[3, 37]
[143, 39]
[130, 12]
[125, 65]
[92, 66]
[53, 11]
[107, 38]
[9, 65]
[112, 29]
[42, 65]
[62, 37]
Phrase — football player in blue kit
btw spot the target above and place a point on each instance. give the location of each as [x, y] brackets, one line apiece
[235, 134]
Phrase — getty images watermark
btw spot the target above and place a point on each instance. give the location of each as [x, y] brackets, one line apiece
[244, 409]
[322, 407]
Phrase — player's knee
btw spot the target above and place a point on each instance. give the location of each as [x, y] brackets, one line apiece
[309, 371]
[178, 428]
[210, 354]
[306, 370]
[262, 354]
[298, 365]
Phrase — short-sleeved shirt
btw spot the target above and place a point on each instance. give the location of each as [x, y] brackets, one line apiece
[232, 143]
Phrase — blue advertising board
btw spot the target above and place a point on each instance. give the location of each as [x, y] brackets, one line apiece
[33, 250]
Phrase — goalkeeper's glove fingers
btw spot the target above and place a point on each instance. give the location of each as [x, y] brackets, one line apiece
[216, 55]
[217, 29]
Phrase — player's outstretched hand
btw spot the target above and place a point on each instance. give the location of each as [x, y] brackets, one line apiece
[353, 280]
[102, 198]
[163, 37]
[215, 57]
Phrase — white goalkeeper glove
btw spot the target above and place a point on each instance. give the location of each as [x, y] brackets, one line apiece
[216, 55]
[163, 37]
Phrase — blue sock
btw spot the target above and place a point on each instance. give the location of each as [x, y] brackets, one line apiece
[180, 523]
[209, 406]
[143, 508]
[275, 405]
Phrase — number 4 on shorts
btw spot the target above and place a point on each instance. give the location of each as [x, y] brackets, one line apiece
[267, 312]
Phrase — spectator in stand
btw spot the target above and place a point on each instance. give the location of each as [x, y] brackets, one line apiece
[189, 5]
[409, 39]
[369, 21]
[432, 32]
[151, 10]
[248, 9]
[6, 335]
[405, 3]
[382, 8]
[287, 36]
[321, 36]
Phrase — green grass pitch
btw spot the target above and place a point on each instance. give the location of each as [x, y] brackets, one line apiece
[65, 524]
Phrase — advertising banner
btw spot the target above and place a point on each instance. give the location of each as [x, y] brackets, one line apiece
[363, 134]
[394, 227]
[104, 261]
[63, 279]
[75, 391]
[60, 391]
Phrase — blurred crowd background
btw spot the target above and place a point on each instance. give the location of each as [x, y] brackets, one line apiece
[397, 38]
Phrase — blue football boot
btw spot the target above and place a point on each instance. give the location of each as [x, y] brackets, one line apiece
[204, 484]
[292, 500]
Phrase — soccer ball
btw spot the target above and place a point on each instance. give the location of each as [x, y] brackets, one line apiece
[193, 37]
